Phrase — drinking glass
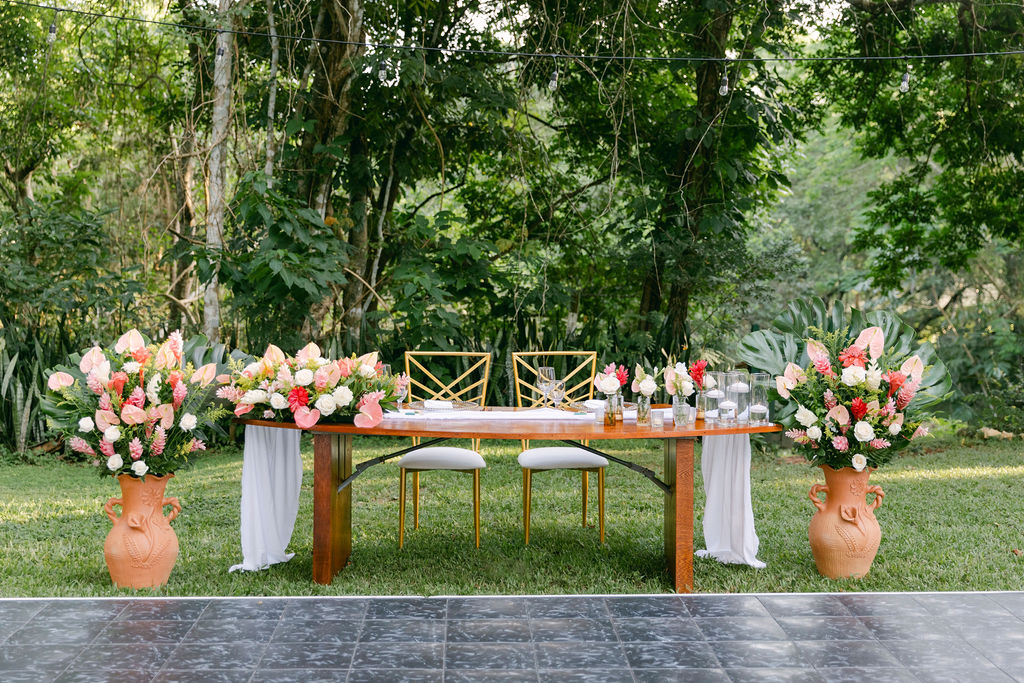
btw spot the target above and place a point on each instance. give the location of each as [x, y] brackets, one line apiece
[759, 398]
[657, 419]
[385, 370]
[715, 395]
[545, 376]
[557, 391]
[401, 388]
[738, 391]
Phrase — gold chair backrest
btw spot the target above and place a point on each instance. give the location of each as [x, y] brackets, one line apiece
[424, 383]
[579, 378]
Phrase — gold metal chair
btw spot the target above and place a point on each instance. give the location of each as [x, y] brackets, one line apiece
[469, 385]
[579, 380]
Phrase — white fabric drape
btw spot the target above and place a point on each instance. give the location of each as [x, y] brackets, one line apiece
[728, 515]
[271, 479]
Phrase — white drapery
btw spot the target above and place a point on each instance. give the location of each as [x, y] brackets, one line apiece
[728, 514]
[271, 479]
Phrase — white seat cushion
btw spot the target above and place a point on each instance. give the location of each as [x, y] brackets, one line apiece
[442, 458]
[559, 458]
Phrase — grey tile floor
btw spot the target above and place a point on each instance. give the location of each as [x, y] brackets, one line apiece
[973, 637]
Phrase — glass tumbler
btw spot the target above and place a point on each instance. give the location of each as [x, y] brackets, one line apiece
[759, 398]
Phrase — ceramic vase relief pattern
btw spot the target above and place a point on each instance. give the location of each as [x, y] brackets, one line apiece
[141, 548]
[844, 533]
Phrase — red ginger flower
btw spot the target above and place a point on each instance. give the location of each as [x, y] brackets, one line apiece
[298, 397]
[138, 398]
[895, 378]
[859, 408]
[853, 356]
[622, 375]
[697, 372]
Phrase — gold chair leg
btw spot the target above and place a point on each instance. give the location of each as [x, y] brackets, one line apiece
[476, 445]
[586, 487]
[401, 507]
[476, 505]
[415, 499]
[526, 504]
[600, 501]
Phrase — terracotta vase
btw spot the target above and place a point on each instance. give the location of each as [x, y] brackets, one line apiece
[844, 533]
[142, 547]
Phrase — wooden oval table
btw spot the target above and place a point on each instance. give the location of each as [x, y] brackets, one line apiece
[333, 472]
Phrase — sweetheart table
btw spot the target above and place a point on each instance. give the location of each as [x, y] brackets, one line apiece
[333, 472]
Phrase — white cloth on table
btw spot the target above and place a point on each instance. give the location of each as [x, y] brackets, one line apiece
[728, 515]
[271, 479]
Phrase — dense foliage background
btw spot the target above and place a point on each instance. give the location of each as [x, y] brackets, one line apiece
[255, 187]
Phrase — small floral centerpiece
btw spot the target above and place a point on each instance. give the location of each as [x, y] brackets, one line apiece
[308, 388]
[140, 407]
[610, 382]
[680, 385]
[644, 385]
[855, 402]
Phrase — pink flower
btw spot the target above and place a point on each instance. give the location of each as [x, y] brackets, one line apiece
[370, 415]
[824, 367]
[298, 397]
[840, 443]
[117, 382]
[135, 448]
[165, 357]
[830, 399]
[106, 448]
[142, 355]
[175, 376]
[284, 375]
[306, 418]
[164, 413]
[131, 341]
[268, 415]
[158, 443]
[204, 375]
[93, 358]
[895, 380]
[914, 368]
[622, 375]
[819, 356]
[137, 398]
[273, 354]
[839, 413]
[229, 393]
[879, 444]
[94, 384]
[798, 436]
[242, 408]
[346, 366]
[223, 379]
[906, 394]
[308, 352]
[105, 403]
[609, 369]
[197, 445]
[365, 359]
[80, 445]
[922, 430]
[59, 380]
[871, 339]
[326, 376]
[853, 356]
[106, 418]
[178, 394]
[133, 415]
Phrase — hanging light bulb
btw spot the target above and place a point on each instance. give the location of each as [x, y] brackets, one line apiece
[553, 83]
[51, 37]
[382, 71]
[723, 89]
[220, 52]
[905, 83]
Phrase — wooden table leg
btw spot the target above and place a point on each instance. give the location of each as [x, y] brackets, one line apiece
[679, 512]
[332, 511]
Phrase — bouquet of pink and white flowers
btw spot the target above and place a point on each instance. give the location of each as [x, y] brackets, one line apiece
[855, 402]
[678, 381]
[611, 380]
[140, 407]
[644, 383]
[308, 388]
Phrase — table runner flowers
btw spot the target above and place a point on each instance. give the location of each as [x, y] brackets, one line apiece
[139, 407]
[307, 388]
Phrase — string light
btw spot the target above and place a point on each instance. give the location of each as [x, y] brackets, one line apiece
[220, 52]
[553, 83]
[382, 71]
[723, 89]
[905, 84]
[51, 37]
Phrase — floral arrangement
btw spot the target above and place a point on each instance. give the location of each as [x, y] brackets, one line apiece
[307, 388]
[854, 402]
[698, 373]
[643, 382]
[138, 405]
[679, 382]
[611, 380]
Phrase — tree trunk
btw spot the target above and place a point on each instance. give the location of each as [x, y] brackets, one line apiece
[216, 200]
[275, 49]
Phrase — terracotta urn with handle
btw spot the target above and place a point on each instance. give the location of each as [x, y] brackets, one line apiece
[844, 533]
[142, 547]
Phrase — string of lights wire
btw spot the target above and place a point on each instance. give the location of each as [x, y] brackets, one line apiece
[520, 53]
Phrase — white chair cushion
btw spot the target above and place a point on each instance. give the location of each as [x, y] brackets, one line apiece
[442, 458]
[559, 458]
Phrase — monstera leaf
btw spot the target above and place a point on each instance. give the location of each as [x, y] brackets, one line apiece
[770, 350]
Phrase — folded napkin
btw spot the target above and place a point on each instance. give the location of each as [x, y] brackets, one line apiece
[430, 404]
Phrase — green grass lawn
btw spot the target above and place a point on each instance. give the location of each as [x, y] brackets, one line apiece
[951, 520]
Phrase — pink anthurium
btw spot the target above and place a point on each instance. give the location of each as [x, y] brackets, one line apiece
[872, 339]
[795, 373]
[913, 367]
[130, 342]
[133, 415]
[204, 375]
[165, 357]
[308, 352]
[59, 380]
[242, 408]
[840, 414]
[783, 385]
[306, 418]
[367, 359]
[106, 418]
[370, 415]
[273, 354]
[93, 358]
[164, 413]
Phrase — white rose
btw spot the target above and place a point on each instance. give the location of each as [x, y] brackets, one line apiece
[607, 384]
[139, 468]
[278, 401]
[854, 375]
[188, 422]
[863, 431]
[326, 404]
[858, 461]
[873, 377]
[112, 434]
[685, 388]
[895, 428]
[367, 371]
[814, 433]
[681, 369]
[131, 367]
[85, 425]
[254, 396]
[153, 388]
[114, 462]
[342, 396]
[648, 386]
[304, 377]
[805, 417]
[252, 369]
[709, 381]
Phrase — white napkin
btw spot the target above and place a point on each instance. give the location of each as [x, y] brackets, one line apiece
[431, 404]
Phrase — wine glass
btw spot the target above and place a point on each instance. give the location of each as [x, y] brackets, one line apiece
[545, 377]
[401, 388]
[557, 391]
